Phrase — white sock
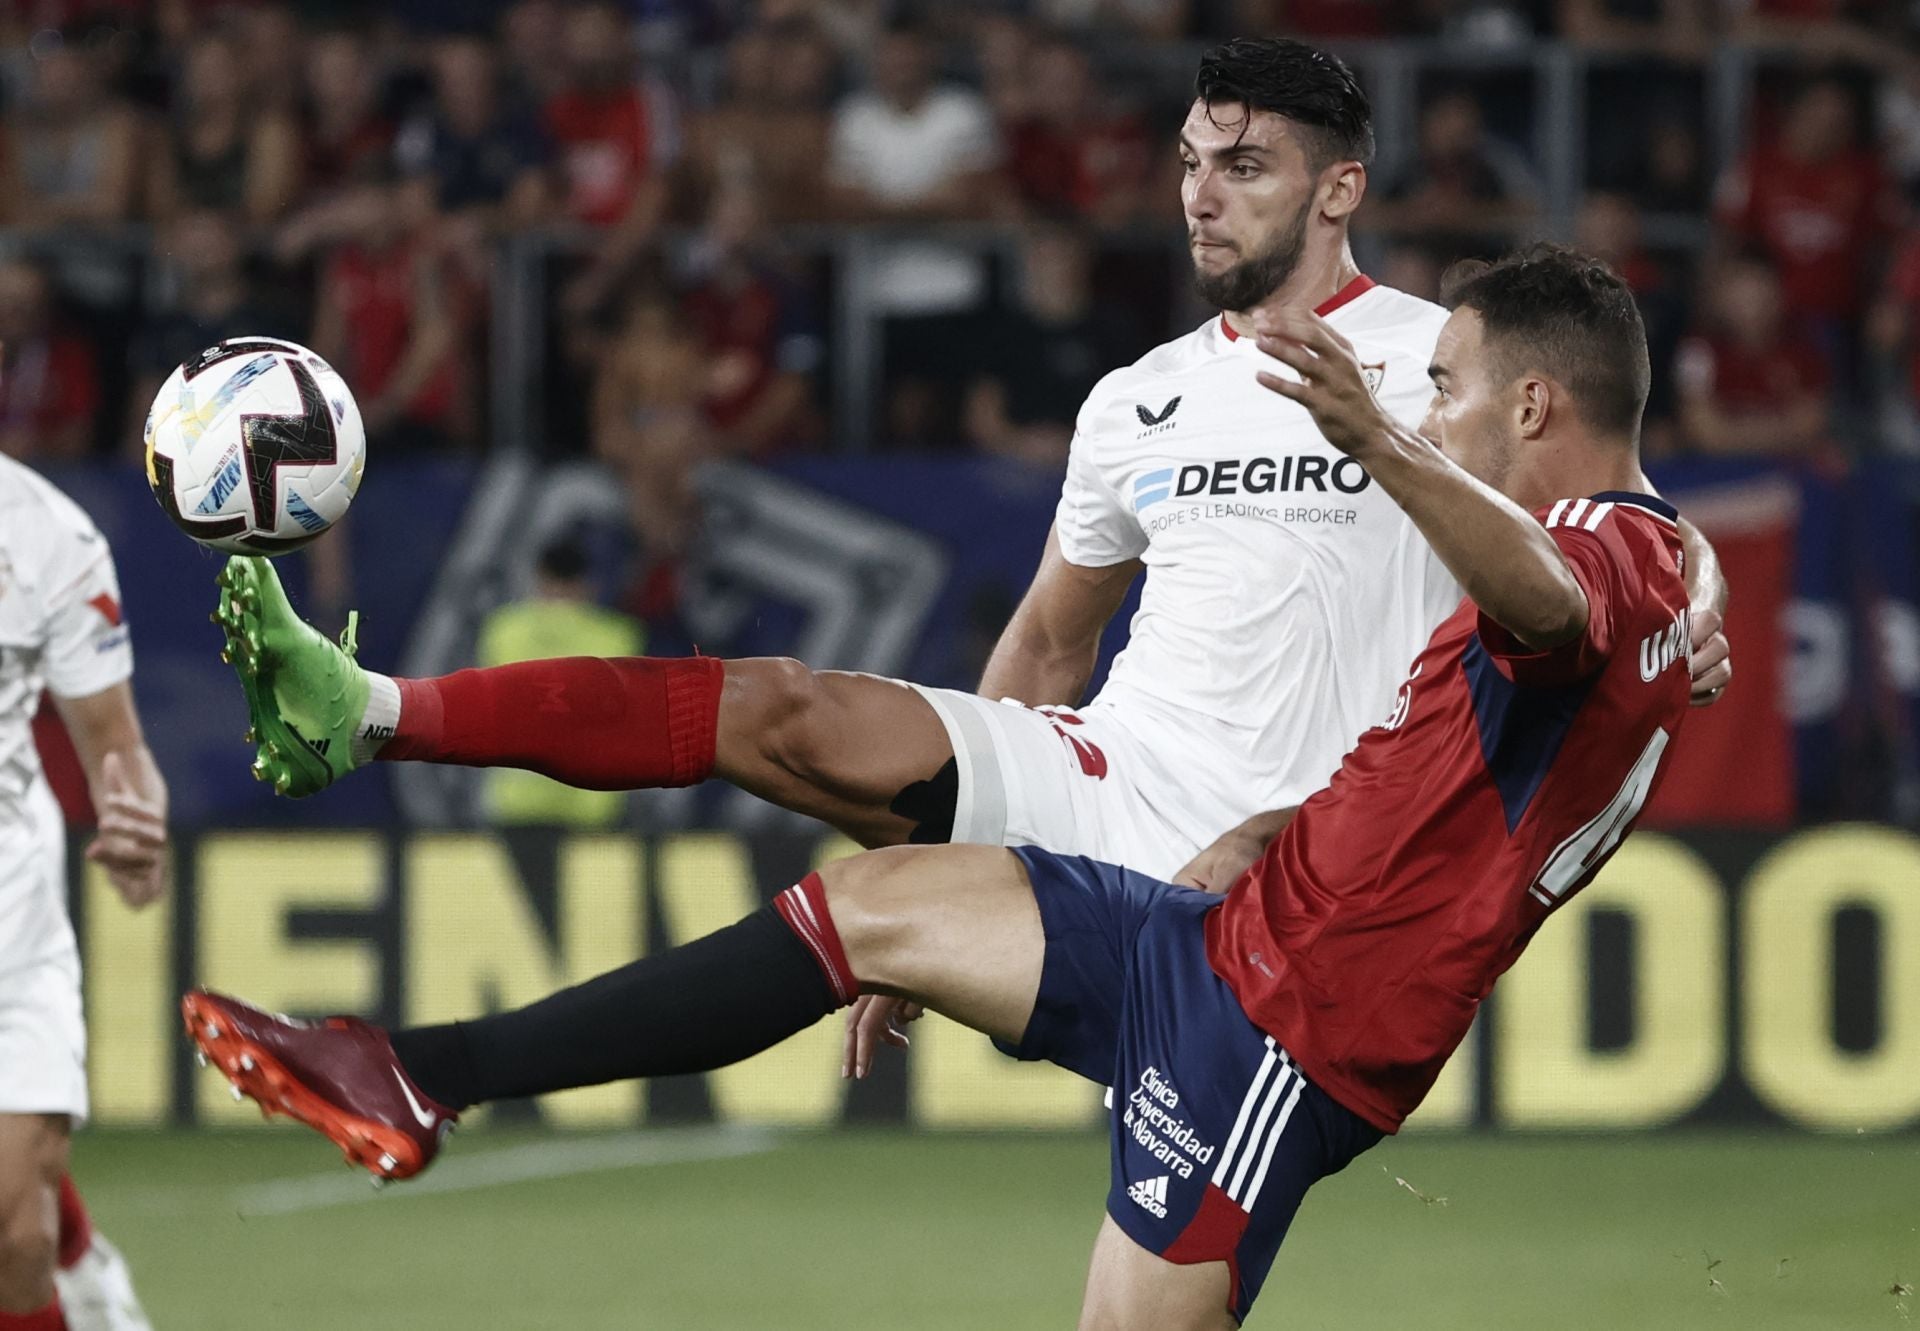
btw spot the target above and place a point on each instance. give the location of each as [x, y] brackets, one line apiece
[382, 715]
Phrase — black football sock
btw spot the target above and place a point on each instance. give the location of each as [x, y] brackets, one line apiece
[701, 1006]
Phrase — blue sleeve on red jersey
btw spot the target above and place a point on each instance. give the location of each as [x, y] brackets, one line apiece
[1609, 573]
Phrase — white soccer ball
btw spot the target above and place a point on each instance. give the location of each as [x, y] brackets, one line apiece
[255, 446]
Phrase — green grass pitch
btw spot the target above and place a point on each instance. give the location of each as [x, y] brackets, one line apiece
[685, 1229]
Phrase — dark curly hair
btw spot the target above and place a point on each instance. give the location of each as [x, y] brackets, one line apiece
[1568, 315]
[1297, 82]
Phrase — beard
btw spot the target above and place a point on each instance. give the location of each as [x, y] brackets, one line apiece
[1252, 280]
[1491, 457]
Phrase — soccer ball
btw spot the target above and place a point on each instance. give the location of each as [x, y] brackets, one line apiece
[255, 446]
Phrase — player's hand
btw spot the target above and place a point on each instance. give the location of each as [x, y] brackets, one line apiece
[131, 844]
[1710, 658]
[872, 1021]
[1220, 865]
[1331, 386]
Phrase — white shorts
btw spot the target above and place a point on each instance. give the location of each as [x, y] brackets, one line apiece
[43, 1041]
[1065, 780]
[43, 1035]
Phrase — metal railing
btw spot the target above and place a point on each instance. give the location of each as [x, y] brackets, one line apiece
[1393, 70]
[519, 336]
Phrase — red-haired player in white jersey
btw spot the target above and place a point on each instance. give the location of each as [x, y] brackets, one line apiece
[61, 632]
[1260, 1041]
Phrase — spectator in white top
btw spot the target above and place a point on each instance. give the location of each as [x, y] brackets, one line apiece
[908, 149]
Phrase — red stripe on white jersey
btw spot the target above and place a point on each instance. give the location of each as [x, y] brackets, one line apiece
[1360, 286]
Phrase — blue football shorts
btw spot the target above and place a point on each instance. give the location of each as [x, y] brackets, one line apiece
[1216, 1135]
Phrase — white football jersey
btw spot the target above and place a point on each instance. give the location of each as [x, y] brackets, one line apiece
[60, 625]
[1286, 593]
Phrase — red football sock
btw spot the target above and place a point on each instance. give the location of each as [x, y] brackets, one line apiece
[76, 1226]
[47, 1319]
[624, 723]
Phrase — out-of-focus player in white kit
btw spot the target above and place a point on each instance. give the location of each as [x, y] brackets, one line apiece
[60, 631]
[1284, 591]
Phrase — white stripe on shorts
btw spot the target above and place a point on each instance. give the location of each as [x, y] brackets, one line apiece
[1246, 1109]
[1273, 1140]
[1256, 1140]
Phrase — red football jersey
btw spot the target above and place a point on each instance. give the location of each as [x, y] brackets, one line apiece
[1367, 935]
[609, 143]
[1818, 221]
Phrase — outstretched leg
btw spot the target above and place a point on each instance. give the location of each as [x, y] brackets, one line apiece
[959, 928]
[862, 753]
[954, 927]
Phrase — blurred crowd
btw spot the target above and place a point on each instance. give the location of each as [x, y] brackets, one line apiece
[178, 171]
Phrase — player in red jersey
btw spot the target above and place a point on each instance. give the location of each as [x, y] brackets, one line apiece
[1257, 1042]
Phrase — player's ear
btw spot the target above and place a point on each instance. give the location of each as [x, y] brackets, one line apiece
[1342, 186]
[1533, 406]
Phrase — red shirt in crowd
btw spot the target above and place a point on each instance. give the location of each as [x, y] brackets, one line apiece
[376, 293]
[48, 383]
[608, 143]
[1074, 172]
[1745, 379]
[1818, 221]
[751, 334]
[740, 331]
[1903, 283]
[1367, 936]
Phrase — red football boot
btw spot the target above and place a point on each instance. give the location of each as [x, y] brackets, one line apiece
[340, 1077]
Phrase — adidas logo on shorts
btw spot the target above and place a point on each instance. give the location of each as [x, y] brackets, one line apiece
[1150, 1195]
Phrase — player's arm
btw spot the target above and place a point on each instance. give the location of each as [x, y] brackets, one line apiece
[1047, 653]
[1504, 560]
[129, 794]
[1220, 865]
[1706, 583]
[1709, 656]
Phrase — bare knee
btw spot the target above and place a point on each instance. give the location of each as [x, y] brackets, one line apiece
[29, 1242]
[884, 901]
[955, 927]
[33, 1156]
[776, 704]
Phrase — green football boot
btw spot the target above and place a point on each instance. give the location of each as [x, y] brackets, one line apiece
[305, 694]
